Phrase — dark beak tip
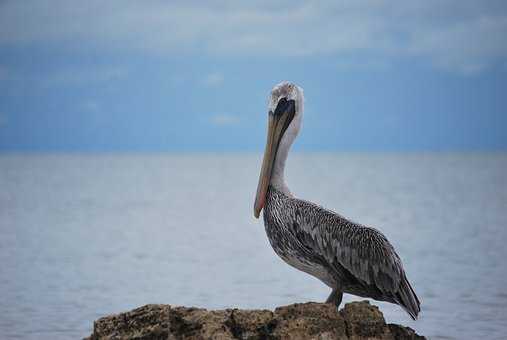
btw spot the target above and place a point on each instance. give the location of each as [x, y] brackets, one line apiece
[257, 212]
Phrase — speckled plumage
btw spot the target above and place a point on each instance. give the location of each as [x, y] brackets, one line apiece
[346, 256]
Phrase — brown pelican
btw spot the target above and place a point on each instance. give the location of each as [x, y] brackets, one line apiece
[346, 256]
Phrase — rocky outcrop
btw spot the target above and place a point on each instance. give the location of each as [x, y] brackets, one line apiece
[357, 320]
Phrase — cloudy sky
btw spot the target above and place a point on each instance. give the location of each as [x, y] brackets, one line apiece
[183, 76]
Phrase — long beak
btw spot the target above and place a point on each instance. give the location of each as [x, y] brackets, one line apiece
[277, 124]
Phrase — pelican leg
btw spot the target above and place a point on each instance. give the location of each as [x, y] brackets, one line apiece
[335, 297]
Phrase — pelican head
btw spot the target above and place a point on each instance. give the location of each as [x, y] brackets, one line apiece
[285, 110]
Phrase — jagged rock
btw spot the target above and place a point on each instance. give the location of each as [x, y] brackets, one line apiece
[357, 320]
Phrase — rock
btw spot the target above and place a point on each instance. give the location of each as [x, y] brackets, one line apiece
[357, 320]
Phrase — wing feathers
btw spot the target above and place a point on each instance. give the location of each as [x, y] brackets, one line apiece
[362, 251]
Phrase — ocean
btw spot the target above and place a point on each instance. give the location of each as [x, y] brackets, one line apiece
[85, 235]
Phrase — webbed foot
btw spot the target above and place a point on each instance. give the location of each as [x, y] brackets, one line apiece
[335, 298]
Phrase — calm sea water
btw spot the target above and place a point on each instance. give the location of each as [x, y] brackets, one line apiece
[82, 236]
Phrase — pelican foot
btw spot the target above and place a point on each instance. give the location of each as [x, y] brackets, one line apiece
[335, 298]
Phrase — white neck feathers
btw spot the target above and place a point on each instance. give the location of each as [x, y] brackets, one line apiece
[278, 176]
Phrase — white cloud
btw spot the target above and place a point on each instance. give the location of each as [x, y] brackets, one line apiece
[225, 119]
[91, 106]
[94, 113]
[364, 64]
[74, 76]
[459, 35]
[13, 81]
[213, 79]
[469, 46]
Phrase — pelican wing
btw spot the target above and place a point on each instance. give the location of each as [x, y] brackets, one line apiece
[356, 252]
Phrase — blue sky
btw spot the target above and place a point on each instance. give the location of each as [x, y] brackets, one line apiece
[182, 76]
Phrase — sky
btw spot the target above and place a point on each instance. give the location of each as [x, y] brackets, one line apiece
[93, 76]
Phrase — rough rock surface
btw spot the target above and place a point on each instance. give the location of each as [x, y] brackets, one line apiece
[357, 320]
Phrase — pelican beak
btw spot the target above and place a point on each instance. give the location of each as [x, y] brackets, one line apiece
[278, 122]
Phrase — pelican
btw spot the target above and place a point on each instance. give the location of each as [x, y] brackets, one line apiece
[346, 256]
